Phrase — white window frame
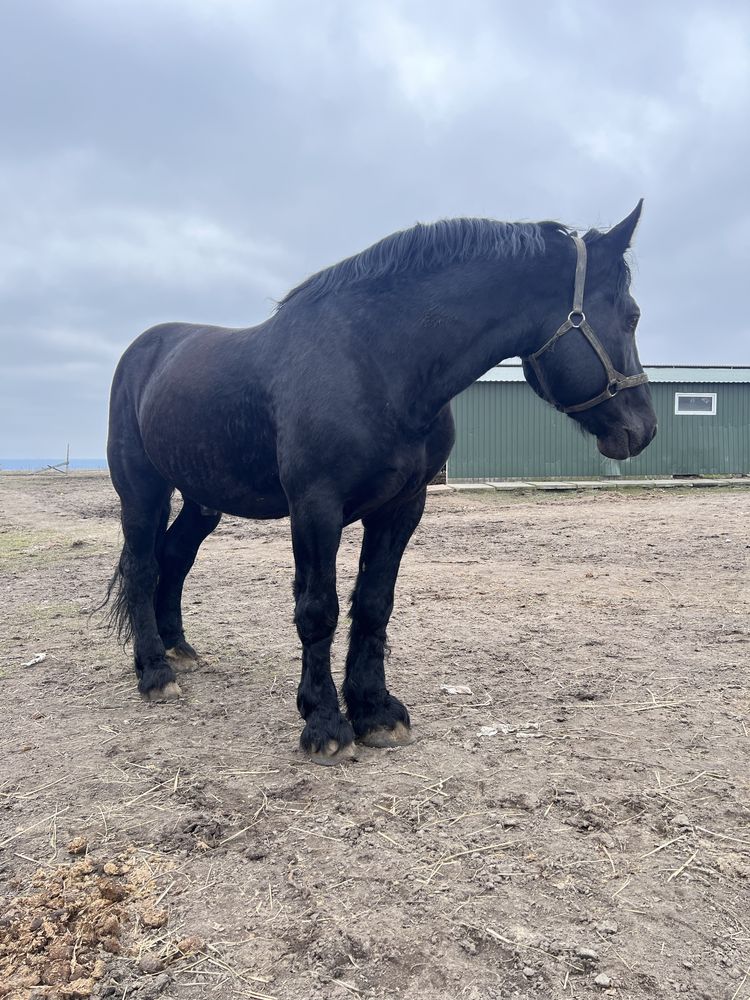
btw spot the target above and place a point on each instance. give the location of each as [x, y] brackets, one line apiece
[694, 413]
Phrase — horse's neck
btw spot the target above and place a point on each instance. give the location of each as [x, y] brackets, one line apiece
[463, 333]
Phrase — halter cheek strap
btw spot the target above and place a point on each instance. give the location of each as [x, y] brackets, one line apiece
[577, 321]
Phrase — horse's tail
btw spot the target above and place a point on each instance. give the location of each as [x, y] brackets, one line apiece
[118, 613]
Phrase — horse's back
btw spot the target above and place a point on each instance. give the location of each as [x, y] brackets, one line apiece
[150, 352]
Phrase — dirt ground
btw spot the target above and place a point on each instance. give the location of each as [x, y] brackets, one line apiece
[577, 825]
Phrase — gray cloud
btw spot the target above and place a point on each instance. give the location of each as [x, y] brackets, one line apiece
[193, 159]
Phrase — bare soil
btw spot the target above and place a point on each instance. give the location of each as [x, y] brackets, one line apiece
[577, 825]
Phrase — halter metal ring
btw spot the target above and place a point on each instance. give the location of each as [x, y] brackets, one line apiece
[581, 318]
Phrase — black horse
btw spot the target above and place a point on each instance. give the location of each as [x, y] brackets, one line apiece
[336, 409]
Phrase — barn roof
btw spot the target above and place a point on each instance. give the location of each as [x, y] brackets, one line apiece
[656, 373]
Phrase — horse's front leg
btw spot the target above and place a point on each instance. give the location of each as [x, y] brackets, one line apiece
[378, 718]
[316, 533]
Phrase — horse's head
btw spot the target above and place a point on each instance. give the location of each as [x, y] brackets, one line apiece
[588, 365]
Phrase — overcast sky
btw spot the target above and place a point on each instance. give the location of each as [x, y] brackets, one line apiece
[193, 159]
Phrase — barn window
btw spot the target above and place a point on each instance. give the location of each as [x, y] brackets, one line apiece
[695, 404]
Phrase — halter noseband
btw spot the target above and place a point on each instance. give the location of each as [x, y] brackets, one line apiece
[577, 321]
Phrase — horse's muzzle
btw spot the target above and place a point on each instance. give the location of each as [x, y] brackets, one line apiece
[626, 442]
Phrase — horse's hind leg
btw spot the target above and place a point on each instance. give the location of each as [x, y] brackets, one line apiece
[377, 717]
[176, 556]
[144, 497]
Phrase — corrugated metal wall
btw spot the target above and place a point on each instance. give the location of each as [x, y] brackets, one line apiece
[504, 431]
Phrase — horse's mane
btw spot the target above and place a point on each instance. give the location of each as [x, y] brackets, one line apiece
[428, 247]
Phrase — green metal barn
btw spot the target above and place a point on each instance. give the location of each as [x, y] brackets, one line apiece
[504, 431]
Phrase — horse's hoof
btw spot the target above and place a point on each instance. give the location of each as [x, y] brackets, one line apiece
[184, 658]
[169, 692]
[332, 754]
[399, 736]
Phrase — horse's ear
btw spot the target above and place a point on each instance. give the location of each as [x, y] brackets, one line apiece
[620, 237]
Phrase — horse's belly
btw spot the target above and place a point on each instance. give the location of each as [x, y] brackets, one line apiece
[245, 483]
[235, 497]
[259, 508]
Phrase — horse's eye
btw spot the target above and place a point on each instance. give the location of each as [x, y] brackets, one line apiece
[633, 320]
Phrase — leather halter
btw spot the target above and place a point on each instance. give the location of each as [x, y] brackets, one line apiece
[577, 321]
